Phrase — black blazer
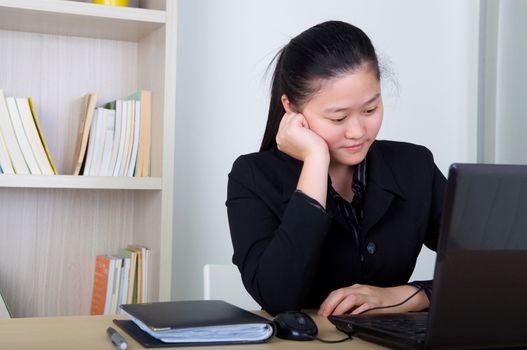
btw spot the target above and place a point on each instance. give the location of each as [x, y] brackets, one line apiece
[292, 254]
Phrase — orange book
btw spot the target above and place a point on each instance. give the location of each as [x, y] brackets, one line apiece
[100, 285]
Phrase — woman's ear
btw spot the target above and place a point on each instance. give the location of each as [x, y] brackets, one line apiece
[287, 105]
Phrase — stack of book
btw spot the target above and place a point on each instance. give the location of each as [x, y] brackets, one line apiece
[120, 279]
[23, 149]
[114, 139]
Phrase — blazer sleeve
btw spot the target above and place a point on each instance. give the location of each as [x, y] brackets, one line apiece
[277, 252]
[438, 189]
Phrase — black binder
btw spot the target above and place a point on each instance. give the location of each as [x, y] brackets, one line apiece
[175, 315]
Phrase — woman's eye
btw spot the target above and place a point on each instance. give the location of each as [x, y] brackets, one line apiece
[339, 119]
[370, 111]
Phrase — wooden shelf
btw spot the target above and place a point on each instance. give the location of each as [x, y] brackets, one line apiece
[81, 182]
[79, 19]
[53, 227]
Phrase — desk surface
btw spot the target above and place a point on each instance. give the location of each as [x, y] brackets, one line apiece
[89, 332]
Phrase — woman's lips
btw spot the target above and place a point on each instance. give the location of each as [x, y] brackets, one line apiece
[354, 148]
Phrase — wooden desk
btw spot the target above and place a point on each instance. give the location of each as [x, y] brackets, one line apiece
[89, 332]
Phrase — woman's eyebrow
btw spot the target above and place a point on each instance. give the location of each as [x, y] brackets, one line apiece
[340, 109]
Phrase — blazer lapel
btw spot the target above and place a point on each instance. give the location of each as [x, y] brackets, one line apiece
[381, 189]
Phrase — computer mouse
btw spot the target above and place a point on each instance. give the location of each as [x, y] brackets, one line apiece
[295, 325]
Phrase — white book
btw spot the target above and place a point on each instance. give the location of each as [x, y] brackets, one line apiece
[21, 136]
[4, 311]
[116, 137]
[126, 136]
[99, 142]
[91, 144]
[123, 290]
[32, 135]
[108, 142]
[132, 277]
[146, 262]
[135, 142]
[123, 120]
[116, 284]
[11, 142]
[129, 138]
[5, 160]
[109, 288]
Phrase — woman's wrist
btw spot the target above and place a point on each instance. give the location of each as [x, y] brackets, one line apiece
[314, 177]
[318, 158]
[418, 302]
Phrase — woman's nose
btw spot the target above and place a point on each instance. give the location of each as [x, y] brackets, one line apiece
[354, 129]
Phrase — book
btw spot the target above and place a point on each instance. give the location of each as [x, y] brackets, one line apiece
[33, 136]
[118, 106]
[86, 119]
[116, 284]
[132, 285]
[20, 133]
[100, 285]
[141, 272]
[127, 155]
[11, 142]
[108, 136]
[145, 132]
[90, 151]
[41, 134]
[193, 322]
[4, 310]
[110, 286]
[132, 166]
[5, 160]
[120, 165]
[99, 140]
[123, 289]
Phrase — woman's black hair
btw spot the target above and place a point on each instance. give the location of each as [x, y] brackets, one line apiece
[324, 51]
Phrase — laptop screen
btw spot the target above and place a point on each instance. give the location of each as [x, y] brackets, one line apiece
[480, 281]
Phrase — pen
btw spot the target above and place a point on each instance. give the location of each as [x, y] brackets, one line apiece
[117, 339]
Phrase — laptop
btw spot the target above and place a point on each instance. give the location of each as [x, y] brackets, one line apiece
[479, 296]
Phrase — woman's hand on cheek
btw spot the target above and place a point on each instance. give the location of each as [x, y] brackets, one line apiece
[296, 139]
[358, 298]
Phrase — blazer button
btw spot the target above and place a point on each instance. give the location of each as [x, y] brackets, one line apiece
[371, 248]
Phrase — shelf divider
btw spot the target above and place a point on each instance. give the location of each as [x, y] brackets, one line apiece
[81, 182]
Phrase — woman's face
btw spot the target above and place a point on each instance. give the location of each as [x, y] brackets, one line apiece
[347, 113]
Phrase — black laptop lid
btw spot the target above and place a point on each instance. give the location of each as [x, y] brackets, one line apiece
[480, 284]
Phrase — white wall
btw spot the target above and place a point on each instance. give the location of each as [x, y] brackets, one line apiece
[224, 48]
[511, 86]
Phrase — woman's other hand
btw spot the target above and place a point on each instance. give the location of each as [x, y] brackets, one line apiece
[359, 298]
[298, 141]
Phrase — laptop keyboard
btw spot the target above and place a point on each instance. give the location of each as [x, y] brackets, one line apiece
[409, 326]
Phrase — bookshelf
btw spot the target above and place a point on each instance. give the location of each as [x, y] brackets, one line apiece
[52, 227]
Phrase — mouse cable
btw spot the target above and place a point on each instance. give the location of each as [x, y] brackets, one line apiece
[331, 341]
[334, 341]
[394, 305]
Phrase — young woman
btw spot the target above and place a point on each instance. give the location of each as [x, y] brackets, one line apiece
[325, 216]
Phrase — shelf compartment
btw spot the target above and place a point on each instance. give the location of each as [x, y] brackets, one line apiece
[80, 19]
